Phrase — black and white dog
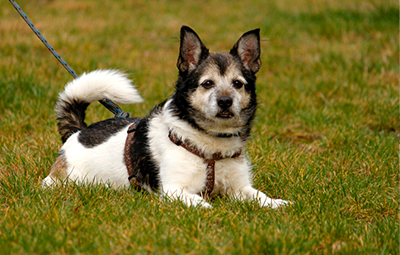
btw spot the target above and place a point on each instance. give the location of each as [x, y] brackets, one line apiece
[187, 148]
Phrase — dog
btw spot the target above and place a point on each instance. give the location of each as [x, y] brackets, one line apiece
[189, 148]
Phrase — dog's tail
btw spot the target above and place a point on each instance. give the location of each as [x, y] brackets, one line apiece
[90, 87]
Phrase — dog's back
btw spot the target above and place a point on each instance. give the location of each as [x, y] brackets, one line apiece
[81, 149]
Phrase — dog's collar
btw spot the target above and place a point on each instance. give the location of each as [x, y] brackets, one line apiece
[210, 161]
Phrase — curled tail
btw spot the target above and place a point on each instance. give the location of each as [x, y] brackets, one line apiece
[90, 87]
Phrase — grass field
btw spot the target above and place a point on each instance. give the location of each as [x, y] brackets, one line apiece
[325, 137]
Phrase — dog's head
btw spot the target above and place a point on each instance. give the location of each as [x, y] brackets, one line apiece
[216, 91]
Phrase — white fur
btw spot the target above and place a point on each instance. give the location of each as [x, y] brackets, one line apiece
[101, 164]
[100, 84]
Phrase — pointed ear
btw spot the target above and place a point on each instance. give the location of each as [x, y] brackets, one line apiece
[192, 50]
[247, 48]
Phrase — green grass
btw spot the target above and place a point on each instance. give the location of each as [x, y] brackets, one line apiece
[325, 136]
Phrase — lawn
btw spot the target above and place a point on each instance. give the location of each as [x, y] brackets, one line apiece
[325, 137]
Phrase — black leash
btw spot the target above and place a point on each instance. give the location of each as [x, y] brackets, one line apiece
[111, 106]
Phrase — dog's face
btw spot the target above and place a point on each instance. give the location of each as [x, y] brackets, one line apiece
[216, 91]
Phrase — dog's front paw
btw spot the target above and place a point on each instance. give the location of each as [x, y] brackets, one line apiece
[196, 201]
[205, 205]
[266, 201]
[277, 203]
[187, 198]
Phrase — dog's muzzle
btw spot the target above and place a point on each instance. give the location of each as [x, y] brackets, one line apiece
[225, 102]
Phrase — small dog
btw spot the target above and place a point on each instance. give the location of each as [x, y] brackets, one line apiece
[188, 148]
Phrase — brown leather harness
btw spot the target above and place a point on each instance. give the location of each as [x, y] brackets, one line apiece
[128, 161]
[210, 169]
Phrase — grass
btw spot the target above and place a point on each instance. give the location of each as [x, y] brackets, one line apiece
[325, 137]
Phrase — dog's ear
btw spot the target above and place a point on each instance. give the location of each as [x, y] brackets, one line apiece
[247, 48]
[192, 50]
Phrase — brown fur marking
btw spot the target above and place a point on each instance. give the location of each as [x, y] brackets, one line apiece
[59, 169]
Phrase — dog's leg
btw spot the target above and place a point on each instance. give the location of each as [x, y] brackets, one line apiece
[186, 197]
[251, 194]
[237, 172]
[58, 172]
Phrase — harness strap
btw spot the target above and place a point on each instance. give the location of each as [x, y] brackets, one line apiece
[128, 162]
[210, 169]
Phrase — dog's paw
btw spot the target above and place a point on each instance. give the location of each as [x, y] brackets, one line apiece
[273, 203]
[189, 199]
[277, 203]
[205, 205]
[50, 182]
[198, 202]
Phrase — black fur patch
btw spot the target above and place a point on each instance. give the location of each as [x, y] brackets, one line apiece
[101, 131]
[145, 170]
[187, 83]
[250, 110]
[222, 61]
[71, 117]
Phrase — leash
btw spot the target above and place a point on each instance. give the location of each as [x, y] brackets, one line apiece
[111, 106]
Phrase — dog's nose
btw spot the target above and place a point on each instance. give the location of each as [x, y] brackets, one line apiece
[224, 102]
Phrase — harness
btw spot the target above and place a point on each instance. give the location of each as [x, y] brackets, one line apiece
[128, 161]
[210, 169]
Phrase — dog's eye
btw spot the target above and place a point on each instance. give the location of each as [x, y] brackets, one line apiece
[237, 84]
[207, 84]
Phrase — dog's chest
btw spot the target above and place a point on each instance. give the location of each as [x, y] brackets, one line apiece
[182, 167]
[228, 172]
